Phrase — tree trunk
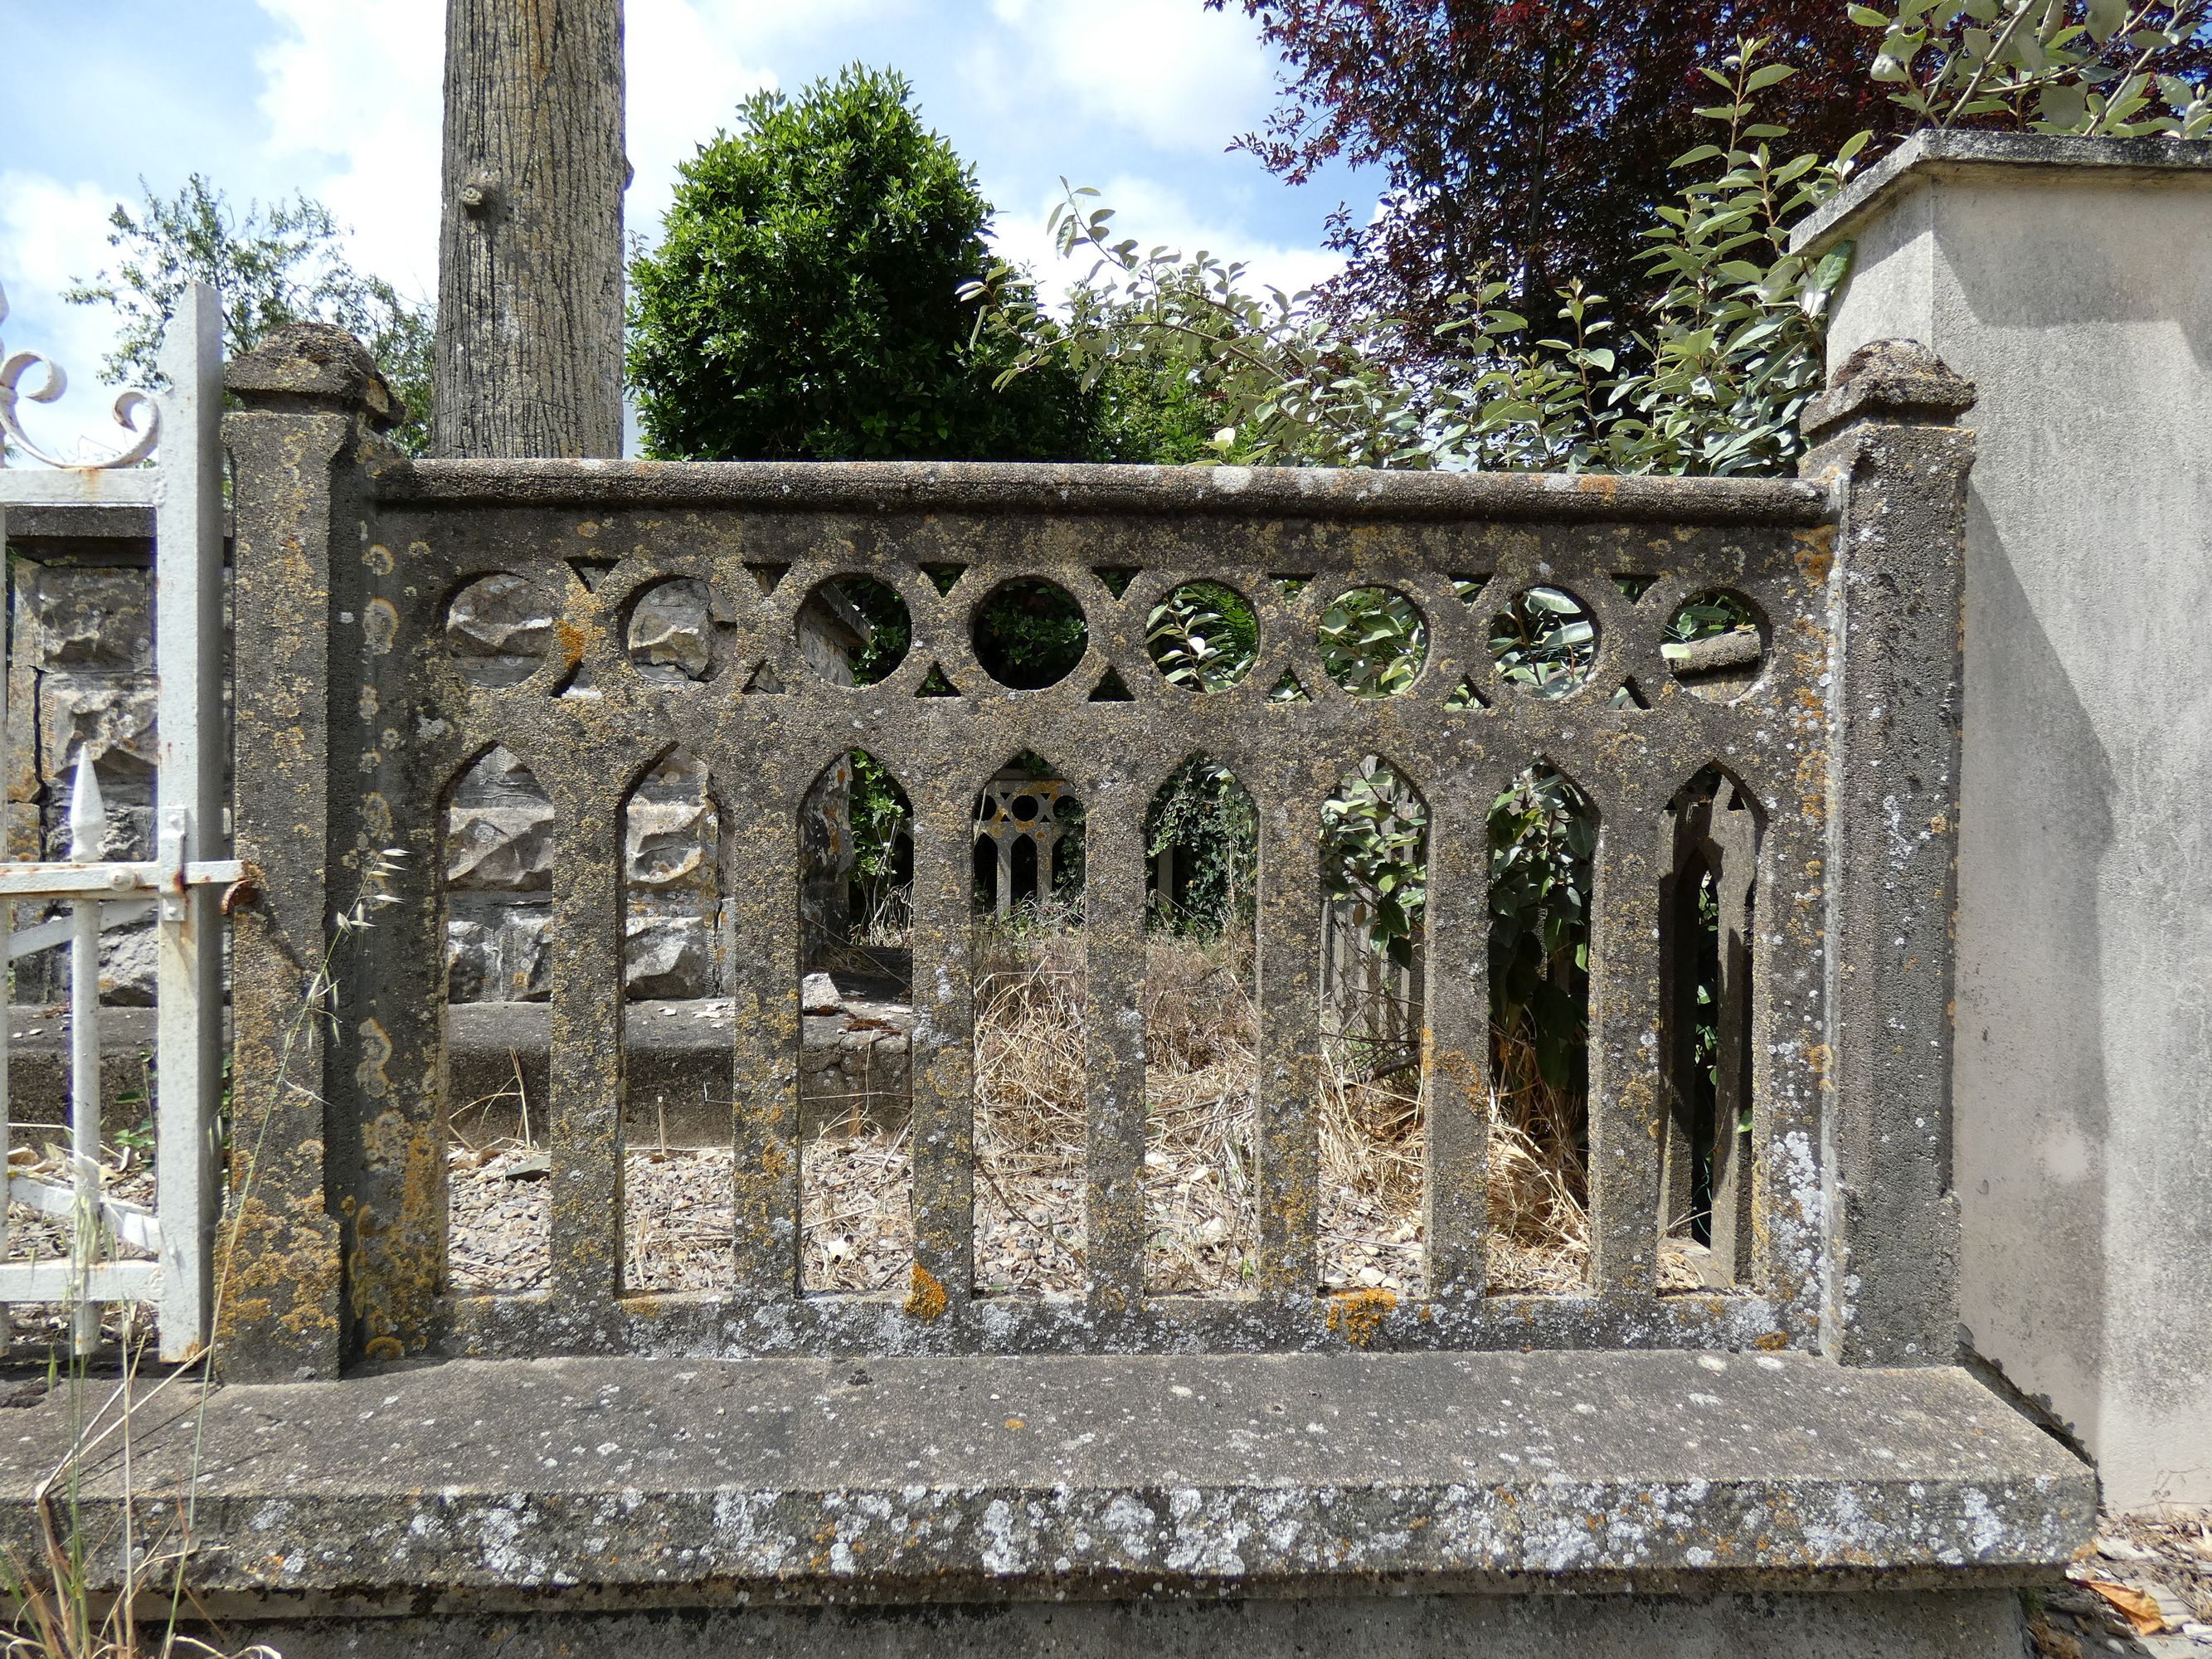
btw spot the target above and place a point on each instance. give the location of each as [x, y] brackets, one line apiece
[530, 250]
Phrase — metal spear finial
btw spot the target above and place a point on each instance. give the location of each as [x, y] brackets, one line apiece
[88, 813]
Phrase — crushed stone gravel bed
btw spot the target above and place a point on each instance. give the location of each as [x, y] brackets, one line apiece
[126, 1173]
[858, 1225]
[2142, 1586]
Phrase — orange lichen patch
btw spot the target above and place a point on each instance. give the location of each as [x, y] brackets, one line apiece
[380, 626]
[927, 1299]
[280, 1273]
[1772, 1342]
[572, 639]
[1816, 551]
[1462, 1068]
[1360, 1313]
[1017, 1423]
[384, 1347]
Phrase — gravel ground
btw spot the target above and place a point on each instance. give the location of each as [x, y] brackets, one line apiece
[856, 1179]
[34, 1236]
[2143, 1586]
[857, 1224]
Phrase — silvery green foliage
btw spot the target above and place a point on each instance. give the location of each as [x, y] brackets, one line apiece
[1726, 358]
[1293, 387]
[283, 264]
[1731, 349]
[2055, 66]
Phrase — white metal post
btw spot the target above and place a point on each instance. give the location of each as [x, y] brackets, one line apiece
[189, 794]
[181, 883]
[184, 489]
[88, 823]
[7, 907]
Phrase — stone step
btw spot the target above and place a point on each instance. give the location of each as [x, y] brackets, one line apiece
[609, 1482]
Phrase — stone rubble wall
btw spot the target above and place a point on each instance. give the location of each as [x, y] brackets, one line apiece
[80, 678]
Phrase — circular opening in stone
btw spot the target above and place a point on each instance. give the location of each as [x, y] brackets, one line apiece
[854, 630]
[1025, 807]
[1373, 641]
[670, 637]
[1545, 641]
[499, 629]
[1715, 644]
[1203, 637]
[1030, 634]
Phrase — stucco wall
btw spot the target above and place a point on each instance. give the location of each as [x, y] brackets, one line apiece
[2076, 294]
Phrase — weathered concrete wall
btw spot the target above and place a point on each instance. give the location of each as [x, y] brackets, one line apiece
[1919, 1624]
[1851, 1106]
[2068, 279]
[81, 658]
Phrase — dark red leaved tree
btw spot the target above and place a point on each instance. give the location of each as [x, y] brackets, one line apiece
[1527, 139]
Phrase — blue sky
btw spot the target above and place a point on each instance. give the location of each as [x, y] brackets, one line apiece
[341, 97]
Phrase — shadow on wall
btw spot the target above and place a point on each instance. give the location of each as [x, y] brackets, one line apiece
[2030, 1102]
[2091, 273]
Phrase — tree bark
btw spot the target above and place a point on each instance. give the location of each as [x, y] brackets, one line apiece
[530, 248]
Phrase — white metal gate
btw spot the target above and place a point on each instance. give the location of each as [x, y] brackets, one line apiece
[172, 463]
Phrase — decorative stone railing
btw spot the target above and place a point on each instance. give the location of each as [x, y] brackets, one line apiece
[357, 720]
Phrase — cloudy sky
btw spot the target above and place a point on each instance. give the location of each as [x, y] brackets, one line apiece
[340, 98]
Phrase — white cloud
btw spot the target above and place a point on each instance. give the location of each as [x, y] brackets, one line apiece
[355, 101]
[352, 94]
[51, 236]
[1183, 77]
[687, 72]
[760, 24]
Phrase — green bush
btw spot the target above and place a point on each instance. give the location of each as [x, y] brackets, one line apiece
[804, 301]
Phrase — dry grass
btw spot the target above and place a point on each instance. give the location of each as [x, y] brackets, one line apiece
[1539, 1182]
[1200, 1200]
[1029, 1133]
[1201, 1152]
[125, 1172]
[856, 1223]
[1201, 1070]
[1371, 1172]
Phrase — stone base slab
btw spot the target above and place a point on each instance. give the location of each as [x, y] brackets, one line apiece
[576, 1485]
[853, 1069]
[1895, 1625]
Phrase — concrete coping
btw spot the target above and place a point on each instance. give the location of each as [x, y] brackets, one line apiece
[83, 521]
[612, 1482]
[1949, 151]
[1893, 380]
[1088, 490]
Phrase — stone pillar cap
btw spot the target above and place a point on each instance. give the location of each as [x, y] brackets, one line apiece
[316, 364]
[1900, 379]
[1947, 151]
